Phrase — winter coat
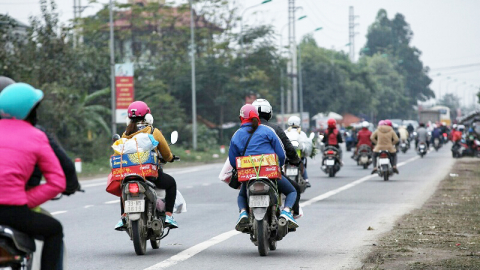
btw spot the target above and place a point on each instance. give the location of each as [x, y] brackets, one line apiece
[22, 146]
[403, 133]
[295, 134]
[422, 135]
[385, 138]
[332, 137]
[264, 141]
[364, 137]
[162, 143]
[289, 149]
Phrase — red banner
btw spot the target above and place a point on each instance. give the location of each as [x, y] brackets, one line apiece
[124, 91]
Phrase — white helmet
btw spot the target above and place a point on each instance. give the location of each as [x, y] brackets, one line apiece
[365, 124]
[263, 107]
[294, 121]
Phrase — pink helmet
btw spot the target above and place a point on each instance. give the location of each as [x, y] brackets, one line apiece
[248, 111]
[388, 122]
[138, 109]
[381, 123]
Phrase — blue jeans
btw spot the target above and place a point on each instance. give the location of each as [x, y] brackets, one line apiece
[284, 186]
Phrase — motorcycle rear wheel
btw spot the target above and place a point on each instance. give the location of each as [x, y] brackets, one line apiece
[262, 237]
[331, 173]
[154, 242]
[272, 244]
[365, 166]
[138, 236]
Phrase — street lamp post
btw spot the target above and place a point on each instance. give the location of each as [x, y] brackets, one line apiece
[194, 95]
[241, 31]
[112, 71]
[300, 79]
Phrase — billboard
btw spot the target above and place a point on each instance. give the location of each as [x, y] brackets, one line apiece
[124, 93]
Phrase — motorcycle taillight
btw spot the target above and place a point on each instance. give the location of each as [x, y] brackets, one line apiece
[330, 152]
[384, 155]
[133, 188]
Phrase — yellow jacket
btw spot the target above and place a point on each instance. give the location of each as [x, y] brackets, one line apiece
[162, 146]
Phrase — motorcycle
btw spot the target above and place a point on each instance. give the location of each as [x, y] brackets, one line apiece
[331, 161]
[144, 219]
[265, 227]
[384, 166]
[445, 138]
[349, 141]
[404, 146]
[364, 156]
[436, 143]
[422, 149]
[462, 149]
[293, 171]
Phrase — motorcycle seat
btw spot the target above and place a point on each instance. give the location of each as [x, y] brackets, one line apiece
[22, 241]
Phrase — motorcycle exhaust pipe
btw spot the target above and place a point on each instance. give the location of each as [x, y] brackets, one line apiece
[282, 228]
[157, 227]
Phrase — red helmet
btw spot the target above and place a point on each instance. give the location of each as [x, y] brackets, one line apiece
[388, 122]
[247, 112]
[332, 123]
[138, 109]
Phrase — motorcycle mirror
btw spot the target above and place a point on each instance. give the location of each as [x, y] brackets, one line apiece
[312, 135]
[115, 137]
[174, 137]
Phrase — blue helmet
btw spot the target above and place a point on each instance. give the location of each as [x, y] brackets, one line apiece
[17, 100]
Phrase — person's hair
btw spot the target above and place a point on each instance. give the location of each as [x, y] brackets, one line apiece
[254, 125]
[132, 127]
[32, 116]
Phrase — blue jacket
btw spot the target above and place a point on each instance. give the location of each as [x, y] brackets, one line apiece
[264, 141]
[436, 133]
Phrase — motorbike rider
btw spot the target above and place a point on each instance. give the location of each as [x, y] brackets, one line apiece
[402, 130]
[263, 140]
[333, 137]
[436, 134]
[139, 121]
[23, 146]
[410, 128]
[363, 136]
[385, 139]
[265, 112]
[67, 165]
[422, 136]
[295, 131]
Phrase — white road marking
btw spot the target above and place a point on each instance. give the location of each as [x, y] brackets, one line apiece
[114, 201]
[95, 185]
[188, 253]
[189, 187]
[206, 184]
[88, 206]
[57, 213]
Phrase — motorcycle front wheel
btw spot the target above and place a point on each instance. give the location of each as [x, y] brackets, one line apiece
[138, 236]
[262, 237]
[154, 242]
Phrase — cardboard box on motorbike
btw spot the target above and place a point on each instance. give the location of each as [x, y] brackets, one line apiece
[265, 165]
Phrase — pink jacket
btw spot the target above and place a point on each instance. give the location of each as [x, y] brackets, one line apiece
[21, 147]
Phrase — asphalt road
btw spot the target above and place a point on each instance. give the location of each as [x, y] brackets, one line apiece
[332, 235]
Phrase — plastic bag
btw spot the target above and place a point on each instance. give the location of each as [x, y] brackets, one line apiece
[142, 142]
[226, 172]
[179, 207]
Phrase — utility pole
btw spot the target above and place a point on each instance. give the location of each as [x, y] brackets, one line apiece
[352, 33]
[292, 95]
[194, 96]
[112, 72]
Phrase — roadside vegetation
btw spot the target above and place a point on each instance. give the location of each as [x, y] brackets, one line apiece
[443, 234]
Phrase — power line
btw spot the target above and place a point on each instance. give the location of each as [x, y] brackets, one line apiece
[455, 67]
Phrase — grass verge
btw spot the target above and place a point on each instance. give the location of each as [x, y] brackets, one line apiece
[443, 234]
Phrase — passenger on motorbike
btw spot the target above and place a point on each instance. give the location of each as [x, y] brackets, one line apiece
[139, 121]
[263, 140]
[295, 131]
[384, 139]
[422, 136]
[23, 146]
[333, 137]
[67, 165]
[403, 134]
[265, 112]
[363, 136]
[436, 134]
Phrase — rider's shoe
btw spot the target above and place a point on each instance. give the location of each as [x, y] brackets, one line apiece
[288, 216]
[121, 225]
[170, 222]
[308, 183]
[374, 171]
[242, 222]
[395, 170]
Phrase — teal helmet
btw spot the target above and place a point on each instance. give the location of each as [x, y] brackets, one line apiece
[17, 100]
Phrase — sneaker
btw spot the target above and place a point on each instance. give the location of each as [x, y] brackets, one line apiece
[242, 222]
[170, 222]
[121, 226]
[395, 170]
[308, 183]
[288, 216]
[374, 171]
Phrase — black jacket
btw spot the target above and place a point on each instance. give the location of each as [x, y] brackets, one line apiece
[292, 156]
[67, 166]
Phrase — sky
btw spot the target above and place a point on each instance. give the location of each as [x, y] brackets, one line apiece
[445, 31]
